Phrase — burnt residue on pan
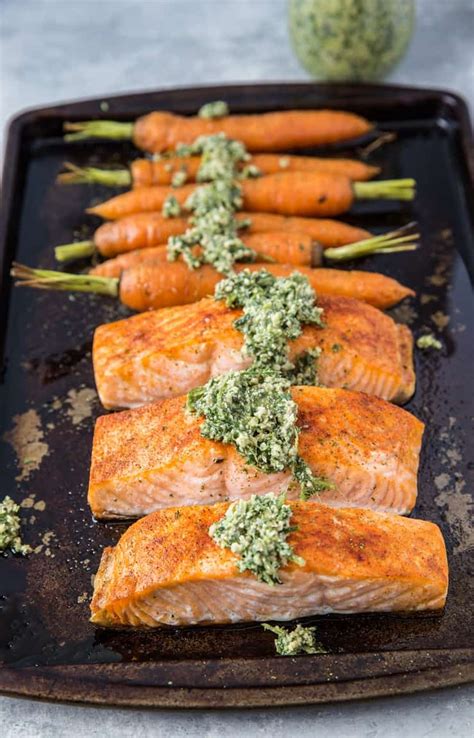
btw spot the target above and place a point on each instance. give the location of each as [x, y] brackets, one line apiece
[48, 408]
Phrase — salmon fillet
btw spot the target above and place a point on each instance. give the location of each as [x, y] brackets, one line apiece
[167, 570]
[155, 456]
[168, 352]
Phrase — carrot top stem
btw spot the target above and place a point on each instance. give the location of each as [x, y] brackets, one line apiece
[388, 189]
[77, 250]
[93, 175]
[46, 279]
[98, 129]
[391, 242]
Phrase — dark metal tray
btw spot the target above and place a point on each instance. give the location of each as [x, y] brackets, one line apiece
[47, 646]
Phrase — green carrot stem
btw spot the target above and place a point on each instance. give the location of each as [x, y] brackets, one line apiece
[396, 249]
[388, 189]
[98, 129]
[46, 279]
[387, 243]
[78, 250]
[93, 175]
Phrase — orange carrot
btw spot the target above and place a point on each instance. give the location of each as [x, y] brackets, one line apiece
[144, 199]
[145, 230]
[141, 230]
[289, 193]
[148, 172]
[328, 233]
[277, 246]
[278, 131]
[153, 285]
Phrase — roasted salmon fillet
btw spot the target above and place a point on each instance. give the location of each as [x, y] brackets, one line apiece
[167, 570]
[155, 456]
[168, 352]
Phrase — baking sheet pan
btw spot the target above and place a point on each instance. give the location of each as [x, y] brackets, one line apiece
[48, 406]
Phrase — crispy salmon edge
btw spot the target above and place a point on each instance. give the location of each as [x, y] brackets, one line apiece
[405, 343]
[100, 585]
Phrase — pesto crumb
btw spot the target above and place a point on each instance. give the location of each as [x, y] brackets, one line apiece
[179, 178]
[336, 347]
[256, 530]
[429, 341]
[171, 207]
[215, 109]
[291, 643]
[10, 536]
[250, 171]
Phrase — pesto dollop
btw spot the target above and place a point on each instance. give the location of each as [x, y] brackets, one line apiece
[10, 536]
[254, 411]
[274, 311]
[256, 530]
[292, 643]
[215, 109]
[220, 156]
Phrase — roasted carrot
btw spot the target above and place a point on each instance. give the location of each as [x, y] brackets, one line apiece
[148, 172]
[328, 233]
[145, 230]
[278, 131]
[289, 248]
[282, 247]
[288, 193]
[137, 231]
[153, 285]
[144, 199]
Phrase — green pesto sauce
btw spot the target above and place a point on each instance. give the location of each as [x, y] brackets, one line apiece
[256, 530]
[292, 643]
[429, 341]
[350, 39]
[213, 224]
[216, 109]
[213, 228]
[274, 311]
[171, 207]
[220, 156]
[179, 178]
[10, 536]
[254, 411]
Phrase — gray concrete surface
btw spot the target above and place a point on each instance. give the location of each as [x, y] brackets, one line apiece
[53, 50]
